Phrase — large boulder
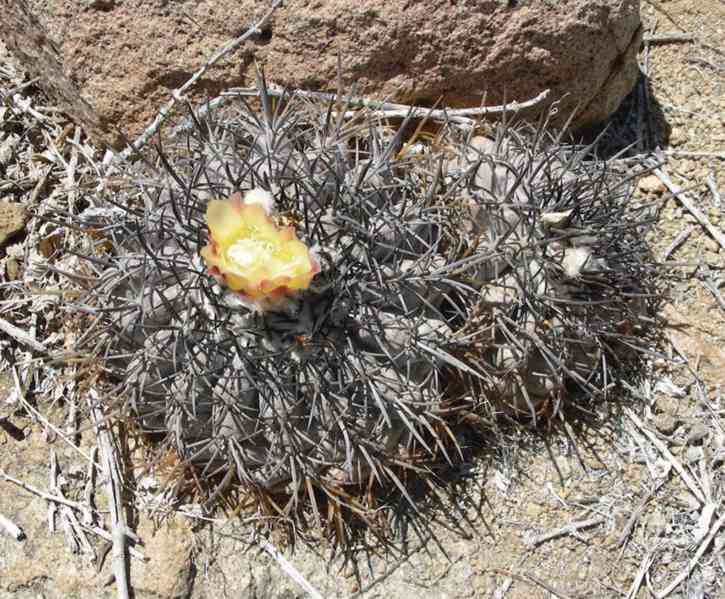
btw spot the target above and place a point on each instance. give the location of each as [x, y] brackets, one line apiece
[126, 56]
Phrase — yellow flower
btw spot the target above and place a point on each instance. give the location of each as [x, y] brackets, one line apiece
[251, 254]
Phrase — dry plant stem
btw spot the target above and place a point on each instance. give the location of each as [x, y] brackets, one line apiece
[21, 336]
[661, 9]
[712, 186]
[720, 155]
[52, 486]
[532, 580]
[390, 110]
[565, 530]
[42, 419]
[114, 491]
[641, 573]
[710, 285]
[716, 233]
[289, 569]
[13, 529]
[24, 105]
[663, 38]
[47, 496]
[90, 489]
[78, 532]
[693, 562]
[177, 94]
[104, 534]
[677, 242]
[508, 580]
[686, 478]
[634, 516]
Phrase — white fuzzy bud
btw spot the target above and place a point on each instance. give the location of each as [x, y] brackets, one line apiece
[260, 197]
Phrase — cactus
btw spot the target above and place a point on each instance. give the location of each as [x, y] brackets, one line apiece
[432, 278]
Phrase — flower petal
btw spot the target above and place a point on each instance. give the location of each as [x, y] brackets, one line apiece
[250, 253]
[224, 222]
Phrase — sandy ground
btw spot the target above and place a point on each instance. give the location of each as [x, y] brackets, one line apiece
[648, 488]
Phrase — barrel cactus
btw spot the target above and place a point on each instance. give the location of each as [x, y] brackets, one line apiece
[308, 305]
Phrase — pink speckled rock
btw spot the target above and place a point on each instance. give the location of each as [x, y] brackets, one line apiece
[126, 55]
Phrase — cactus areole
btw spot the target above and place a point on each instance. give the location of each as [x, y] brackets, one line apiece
[250, 253]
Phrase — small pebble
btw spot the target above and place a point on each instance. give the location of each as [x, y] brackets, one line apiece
[677, 137]
[651, 184]
[656, 521]
[665, 423]
[694, 454]
[712, 245]
[697, 433]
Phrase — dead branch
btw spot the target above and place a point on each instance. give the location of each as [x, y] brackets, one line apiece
[391, 110]
[693, 562]
[114, 492]
[677, 242]
[716, 233]
[686, 478]
[47, 496]
[22, 336]
[687, 153]
[289, 569]
[566, 530]
[664, 38]
[712, 186]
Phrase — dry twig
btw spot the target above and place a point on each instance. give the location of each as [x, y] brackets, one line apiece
[532, 580]
[114, 491]
[663, 38]
[47, 496]
[712, 287]
[566, 530]
[720, 155]
[715, 232]
[21, 336]
[289, 569]
[712, 186]
[677, 242]
[641, 573]
[693, 562]
[391, 110]
[686, 478]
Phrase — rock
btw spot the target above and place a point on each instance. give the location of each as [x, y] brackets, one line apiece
[651, 184]
[13, 217]
[128, 56]
[169, 571]
[678, 136]
[533, 509]
[711, 245]
[42, 565]
[555, 219]
[27, 39]
[657, 522]
[665, 423]
[694, 454]
[697, 433]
